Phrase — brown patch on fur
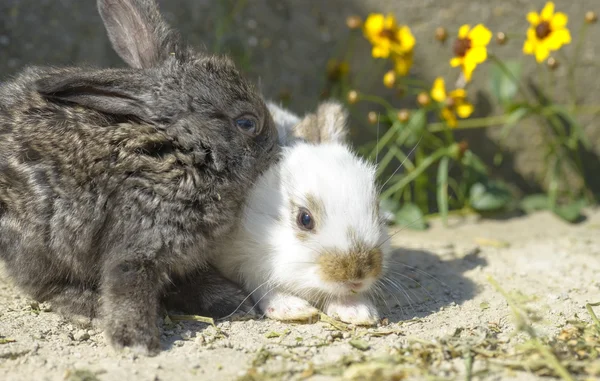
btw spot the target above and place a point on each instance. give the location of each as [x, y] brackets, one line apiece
[328, 124]
[359, 263]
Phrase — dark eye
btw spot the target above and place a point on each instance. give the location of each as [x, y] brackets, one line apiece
[305, 220]
[247, 125]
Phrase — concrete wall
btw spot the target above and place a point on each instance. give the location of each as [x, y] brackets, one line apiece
[285, 44]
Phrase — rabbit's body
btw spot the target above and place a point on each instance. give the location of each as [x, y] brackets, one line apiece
[289, 262]
[115, 183]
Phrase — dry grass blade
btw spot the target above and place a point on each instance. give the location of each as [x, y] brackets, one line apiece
[589, 309]
[202, 319]
[334, 323]
[522, 324]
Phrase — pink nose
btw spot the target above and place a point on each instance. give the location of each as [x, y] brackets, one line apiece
[355, 285]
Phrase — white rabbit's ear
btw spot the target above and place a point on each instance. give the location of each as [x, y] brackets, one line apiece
[328, 124]
[284, 121]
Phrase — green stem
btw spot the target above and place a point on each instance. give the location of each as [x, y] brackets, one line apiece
[426, 163]
[589, 309]
[383, 141]
[375, 99]
[573, 64]
[470, 123]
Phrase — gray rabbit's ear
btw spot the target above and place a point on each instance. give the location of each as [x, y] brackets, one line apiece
[328, 124]
[137, 32]
[111, 92]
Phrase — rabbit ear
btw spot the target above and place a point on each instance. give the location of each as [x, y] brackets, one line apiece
[328, 124]
[112, 92]
[137, 31]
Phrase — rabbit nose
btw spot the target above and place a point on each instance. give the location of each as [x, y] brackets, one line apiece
[355, 285]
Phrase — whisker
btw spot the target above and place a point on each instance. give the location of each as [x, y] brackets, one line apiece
[420, 272]
[401, 164]
[246, 298]
[377, 145]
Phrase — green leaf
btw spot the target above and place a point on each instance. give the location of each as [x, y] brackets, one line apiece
[442, 188]
[410, 216]
[490, 196]
[389, 205]
[416, 126]
[570, 212]
[535, 202]
[502, 84]
[577, 133]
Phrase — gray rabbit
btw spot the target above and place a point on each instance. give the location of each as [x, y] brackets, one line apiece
[115, 183]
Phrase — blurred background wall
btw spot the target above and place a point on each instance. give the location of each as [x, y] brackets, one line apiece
[284, 45]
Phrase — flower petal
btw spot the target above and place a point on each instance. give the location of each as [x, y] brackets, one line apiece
[464, 110]
[480, 35]
[449, 117]
[373, 25]
[402, 64]
[406, 38]
[456, 61]
[541, 53]
[380, 51]
[547, 12]
[463, 32]
[458, 94]
[438, 91]
[390, 21]
[476, 55]
[528, 47]
[533, 18]
[468, 67]
[557, 39]
[559, 21]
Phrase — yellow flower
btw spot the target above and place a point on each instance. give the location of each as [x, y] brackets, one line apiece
[455, 103]
[402, 63]
[470, 49]
[548, 31]
[387, 37]
[389, 79]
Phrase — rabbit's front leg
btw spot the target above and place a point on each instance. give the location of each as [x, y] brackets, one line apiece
[76, 302]
[130, 302]
[279, 305]
[356, 309]
[208, 293]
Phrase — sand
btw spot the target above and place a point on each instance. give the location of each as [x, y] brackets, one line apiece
[444, 273]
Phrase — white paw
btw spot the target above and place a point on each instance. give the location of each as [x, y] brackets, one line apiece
[287, 307]
[354, 311]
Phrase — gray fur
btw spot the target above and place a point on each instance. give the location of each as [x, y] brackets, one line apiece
[115, 183]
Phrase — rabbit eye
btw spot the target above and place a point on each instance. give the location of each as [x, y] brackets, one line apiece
[247, 125]
[305, 220]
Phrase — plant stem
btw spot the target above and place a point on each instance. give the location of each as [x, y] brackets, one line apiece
[410, 176]
[573, 64]
[375, 99]
[589, 309]
[470, 123]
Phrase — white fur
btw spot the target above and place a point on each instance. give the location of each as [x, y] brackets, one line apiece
[266, 254]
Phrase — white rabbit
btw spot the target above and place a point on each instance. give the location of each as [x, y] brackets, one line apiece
[311, 234]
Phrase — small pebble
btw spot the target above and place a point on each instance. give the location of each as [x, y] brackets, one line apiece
[346, 335]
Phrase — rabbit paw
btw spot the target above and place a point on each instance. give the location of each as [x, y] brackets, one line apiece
[287, 307]
[137, 339]
[353, 311]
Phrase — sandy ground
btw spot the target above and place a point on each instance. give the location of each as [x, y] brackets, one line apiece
[444, 272]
